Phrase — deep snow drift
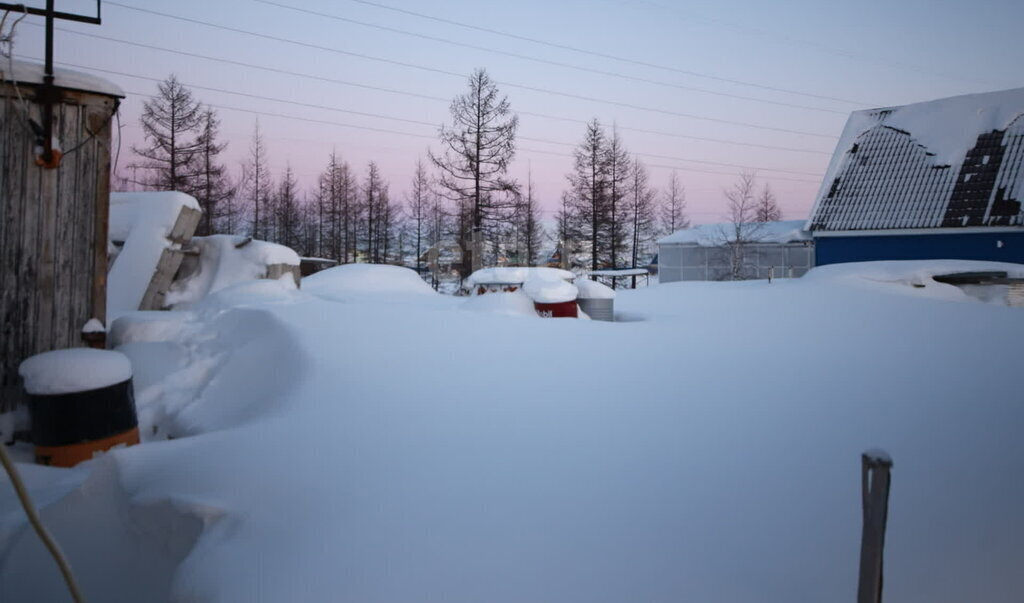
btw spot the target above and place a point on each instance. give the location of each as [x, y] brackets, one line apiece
[332, 447]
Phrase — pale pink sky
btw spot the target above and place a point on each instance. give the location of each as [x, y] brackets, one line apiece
[680, 72]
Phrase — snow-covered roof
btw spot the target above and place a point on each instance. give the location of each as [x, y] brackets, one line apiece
[516, 276]
[32, 74]
[620, 272]
[714, 235]
[951, 162]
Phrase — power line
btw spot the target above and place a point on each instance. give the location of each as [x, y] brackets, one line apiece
[414, 121]
[672, 167]
[422, 96]
[817, 46]
[604, 55]
[461, 76]
[544, 61]
[400, 133]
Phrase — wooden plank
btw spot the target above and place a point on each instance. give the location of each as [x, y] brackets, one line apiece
[166, 268]
[185, 225]
[101, 194]
[170, 260]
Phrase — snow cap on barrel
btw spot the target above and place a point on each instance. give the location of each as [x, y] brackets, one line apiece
[75, 370]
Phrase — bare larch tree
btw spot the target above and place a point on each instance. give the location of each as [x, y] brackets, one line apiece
[767, 207]
[673, 207]
[476, 149]
[170, 122]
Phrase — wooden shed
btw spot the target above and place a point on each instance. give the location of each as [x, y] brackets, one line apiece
[53, 220]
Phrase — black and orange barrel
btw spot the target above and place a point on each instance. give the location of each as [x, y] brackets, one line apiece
[81, 401]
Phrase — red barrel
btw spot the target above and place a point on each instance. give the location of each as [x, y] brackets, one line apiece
[566, 309]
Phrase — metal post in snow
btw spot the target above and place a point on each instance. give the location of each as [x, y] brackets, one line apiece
[875, 468]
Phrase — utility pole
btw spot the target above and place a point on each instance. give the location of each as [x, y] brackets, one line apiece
[48, 95]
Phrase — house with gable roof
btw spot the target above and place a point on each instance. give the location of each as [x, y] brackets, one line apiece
[936, 180]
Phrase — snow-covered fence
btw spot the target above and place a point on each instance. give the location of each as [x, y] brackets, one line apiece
[53, 222]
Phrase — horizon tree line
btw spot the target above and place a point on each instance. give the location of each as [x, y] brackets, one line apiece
[610, 213]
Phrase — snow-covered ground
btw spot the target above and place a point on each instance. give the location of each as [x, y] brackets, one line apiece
[365, 439]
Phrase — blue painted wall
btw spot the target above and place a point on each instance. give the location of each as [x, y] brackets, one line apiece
[968, 246]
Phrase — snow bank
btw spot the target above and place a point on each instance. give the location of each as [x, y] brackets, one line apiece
[143, 221]
[510, 304]
[911, 277]
[73, 370]
[223, 263]
[713, 235]
[589, 289]
[356, 279]
[217, 365]
[709, 452]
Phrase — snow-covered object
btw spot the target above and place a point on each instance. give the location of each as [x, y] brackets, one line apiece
[93, 325]
[589, 289]
[357, 279]
[910, 272]
[714, 235]
[222, 263]
[550, 291]
[517, 275]
[516, 303]
[143, 221]
[73, 370]
[32, 73]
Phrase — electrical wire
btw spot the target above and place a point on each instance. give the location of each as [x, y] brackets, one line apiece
[461, 76]
[410, 134]
[426, 96]
[544, 61]
[412, 121]
[606, 55]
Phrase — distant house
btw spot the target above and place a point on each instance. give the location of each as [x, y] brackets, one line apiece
[935, 180]
[705, 252]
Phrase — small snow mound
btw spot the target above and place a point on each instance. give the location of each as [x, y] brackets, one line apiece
[365, 278]
[516, 303]
[75, 370]
[594, 290]
[93, 325]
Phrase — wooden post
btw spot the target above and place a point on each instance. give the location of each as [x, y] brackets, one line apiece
[875, 466]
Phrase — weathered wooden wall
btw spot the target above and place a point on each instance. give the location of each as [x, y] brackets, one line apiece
[53, 228]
